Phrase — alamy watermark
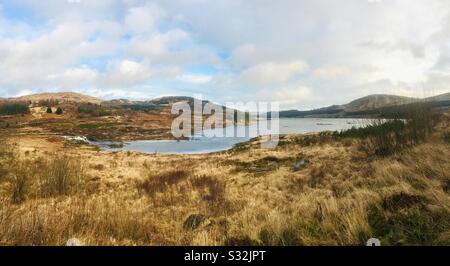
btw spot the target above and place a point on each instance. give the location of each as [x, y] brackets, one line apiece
[234, 120]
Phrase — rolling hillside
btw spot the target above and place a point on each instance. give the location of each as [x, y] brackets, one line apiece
[58, 96]
[372, 105]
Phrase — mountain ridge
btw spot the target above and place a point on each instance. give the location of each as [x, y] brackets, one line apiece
[367, 104]
[58, 96]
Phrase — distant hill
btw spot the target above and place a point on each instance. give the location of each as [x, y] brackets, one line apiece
[377, 101]
[162, 101]
[58, 96]
[441, 97]
[163, 104]
[172, 99]
[117, 102]
[369, 106]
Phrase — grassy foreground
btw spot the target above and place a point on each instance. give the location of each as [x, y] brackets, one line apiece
[319, 189]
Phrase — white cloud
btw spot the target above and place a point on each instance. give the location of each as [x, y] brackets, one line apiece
[126, 73]
[30, 62]
[246, 55]
[22, 93]
[55, 59]
[143, 19]
[271, 73]
[331, 71]
[197, 79]
[131, 68]
[291, 94]
[156, 46]
[73, 78]
[118, 94]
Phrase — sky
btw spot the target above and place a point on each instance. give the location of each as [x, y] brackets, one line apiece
[301, 53]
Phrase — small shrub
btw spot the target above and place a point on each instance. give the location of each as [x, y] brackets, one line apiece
[49, 110]
[59, 111]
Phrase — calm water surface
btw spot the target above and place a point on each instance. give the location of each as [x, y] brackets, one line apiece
[201, 144]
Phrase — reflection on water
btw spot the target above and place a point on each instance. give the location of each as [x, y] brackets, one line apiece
[201, 144]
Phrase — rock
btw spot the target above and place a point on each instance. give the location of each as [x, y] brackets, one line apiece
[73, 242]
[77, 139]
[300, 164]
[193, 221]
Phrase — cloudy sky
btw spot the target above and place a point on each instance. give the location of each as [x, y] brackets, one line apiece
[303, 53]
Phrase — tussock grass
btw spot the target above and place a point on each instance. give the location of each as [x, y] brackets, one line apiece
[8, 157]
[20, 181]
[15, 171]
[97, 221]
[61, 175]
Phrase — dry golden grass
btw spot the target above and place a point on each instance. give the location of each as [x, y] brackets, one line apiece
[249, 196]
